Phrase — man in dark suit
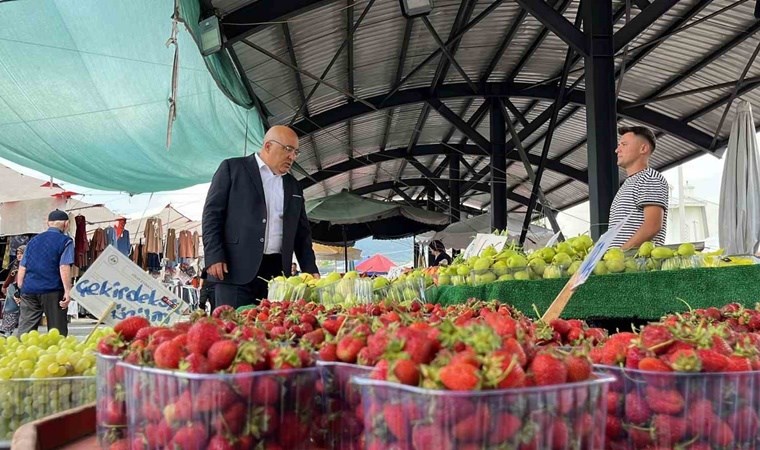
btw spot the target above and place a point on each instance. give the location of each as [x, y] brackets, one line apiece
[254, 220]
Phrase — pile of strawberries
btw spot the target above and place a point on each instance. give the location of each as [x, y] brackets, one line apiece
[686, 382]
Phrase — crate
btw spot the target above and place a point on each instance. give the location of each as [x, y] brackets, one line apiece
[111, 406]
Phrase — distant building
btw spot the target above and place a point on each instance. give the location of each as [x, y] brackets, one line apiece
[700, 218]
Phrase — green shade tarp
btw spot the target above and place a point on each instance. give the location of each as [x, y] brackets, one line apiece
[647, 295]
[84, 88]
[360, 217]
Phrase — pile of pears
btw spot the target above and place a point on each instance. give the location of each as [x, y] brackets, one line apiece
[565, 258]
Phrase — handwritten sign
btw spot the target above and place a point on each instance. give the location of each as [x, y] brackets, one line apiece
[483, 241]
[115, 278]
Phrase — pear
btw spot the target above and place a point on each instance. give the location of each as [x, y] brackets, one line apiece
[332, 277]
[548, 254]
[631, 265]
[506, 277]
[485, 278]
[552, 272]
[615, 265]
[662, 253]
[500, 268]
[352, 275]
[686, 249]
[537, 265]
[481, 264]
[565, 247]
[645, 250]
[463, 270]
[380, 282]
[444, 280]
[614, 254]
[601, 268]
[517, 262]
[574, 267]
[522, 275]
[563, 260]
[505, 254]
[488, 252]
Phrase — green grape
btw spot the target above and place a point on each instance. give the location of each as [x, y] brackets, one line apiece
[26, 365]
[12, 340]
[53, 349]
[54, 333]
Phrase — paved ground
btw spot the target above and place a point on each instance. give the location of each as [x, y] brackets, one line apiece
[77, 327]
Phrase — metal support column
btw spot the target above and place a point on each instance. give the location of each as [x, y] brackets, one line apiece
[455, 183]
[601, 116]
[431, 198]
[498, 167]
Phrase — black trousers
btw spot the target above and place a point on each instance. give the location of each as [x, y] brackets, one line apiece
[34, 305]
[207, 295]
[237, 295]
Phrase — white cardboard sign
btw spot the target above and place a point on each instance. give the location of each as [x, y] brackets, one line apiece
[482, 241]
[115, 278]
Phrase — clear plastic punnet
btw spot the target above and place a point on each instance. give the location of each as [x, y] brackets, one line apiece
[559, 417]
[682, 410]
[111, 406]
[340, 424]
[173, 410]
[28, 399]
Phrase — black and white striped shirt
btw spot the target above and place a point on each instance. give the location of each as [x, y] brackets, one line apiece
[641, 189]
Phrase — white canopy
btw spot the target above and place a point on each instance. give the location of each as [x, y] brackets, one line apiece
[739, 223]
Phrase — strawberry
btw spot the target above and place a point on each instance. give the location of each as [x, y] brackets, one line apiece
[720, 345]
[685, 360]
[561, 326]
[129, 327]
[219, 442]
[190, 437]
[546, 369]
[460, 377]
[738, 364]
[664, 401]
[202, 335]
[654, 365]
[328, 352]
[721, 434]
[232, 420]
[121, 444]
[668, 430]
[421, 349]
[745, 423]
[157, 435]
[712, 360]
[348, 349]
[656, 338]
[314, 338]
[114, 414]
[406, 371]
[195, 363]
[214, 395]
[613, 352]
[470, 429]
[266, 391]
[578, 368]
[613, 402]
[430, 436]
[168, 355]
[505, 428]
[634, 355]
[614, 427]
[222, 311]
[111, 345]
[514, 378]
[333, 324]
[636, 409]
[397, 421]
[221, 354]
[282, 358]
[560, 434]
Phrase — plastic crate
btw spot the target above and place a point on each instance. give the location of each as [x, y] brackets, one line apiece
[717, 410]
[407, 290]
[567, 416]
[24, 400]
[180, 410]
[340, 424]
[284, 290]
[111, 406]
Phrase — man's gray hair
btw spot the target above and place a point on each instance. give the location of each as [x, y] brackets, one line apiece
[60, 224]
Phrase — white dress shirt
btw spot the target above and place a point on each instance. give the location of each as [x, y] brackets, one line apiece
[275, 200]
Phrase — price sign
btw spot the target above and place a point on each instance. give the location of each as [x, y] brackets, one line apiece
[483, 241]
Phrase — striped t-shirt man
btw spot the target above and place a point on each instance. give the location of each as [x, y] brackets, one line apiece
[646, 187]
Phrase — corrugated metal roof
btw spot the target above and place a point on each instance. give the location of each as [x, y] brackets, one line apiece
[318, 32]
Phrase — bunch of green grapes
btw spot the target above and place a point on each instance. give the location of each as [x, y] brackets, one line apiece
[48, 355]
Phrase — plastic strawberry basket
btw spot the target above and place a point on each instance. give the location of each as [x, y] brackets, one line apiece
[25, 400]
[168, 409]
[111, 406]
[340, 423]
[566, 416]
[712, 410]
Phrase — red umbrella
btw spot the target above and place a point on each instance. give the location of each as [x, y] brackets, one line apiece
[376, 264]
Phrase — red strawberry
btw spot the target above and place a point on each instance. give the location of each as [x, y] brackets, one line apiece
[222, 311]
[514, 378]
[114, 414]
[656, 338]
[664, 401]
[712, 360]
[634, 355]
[430, 436]
[111, 345]
[397, 421]
[668, 430]
[168, 355]
[505, 427]
[720, 345]
[283, 358]
[121, 444]
[738, 364]
[614, 427]
[219, 442]
[721, 434]
[745, 424]
[560, 435]
[348, 349]
[190, 437]
[314, 338]
[472, 427]
[214, 395]
[232, 420]
[512, 346]
[266, 391]
[202, 335]
[636, 409]
[421, 349]
[157, 436]
[578, 368]
[333, 324]
[221, 354]
[328, 352]
[195, 363]
[459, 377]
[546, 369]
[129, 327]
[407, 372]
[613, 352]
[561, 326]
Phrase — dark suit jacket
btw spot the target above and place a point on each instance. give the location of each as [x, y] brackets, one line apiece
[234, 223]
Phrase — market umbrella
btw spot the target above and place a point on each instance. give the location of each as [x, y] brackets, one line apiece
[378, 264]
[332, 253]
[458, 235]
[345, 217]
[739, 223]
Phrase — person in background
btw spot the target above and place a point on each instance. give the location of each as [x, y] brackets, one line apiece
[44, 277]
[643, 197]
[206, 288]
[439, 252]
[12, 296]
[294, 269]
[254, 220]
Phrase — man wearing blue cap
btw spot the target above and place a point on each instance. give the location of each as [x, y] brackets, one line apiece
[44, 276]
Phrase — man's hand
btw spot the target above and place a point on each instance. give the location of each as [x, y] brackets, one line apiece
[315, 275]
[218, 270]
[66, 300]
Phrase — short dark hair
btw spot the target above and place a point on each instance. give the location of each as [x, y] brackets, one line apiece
[437, 246]
[644, 132]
